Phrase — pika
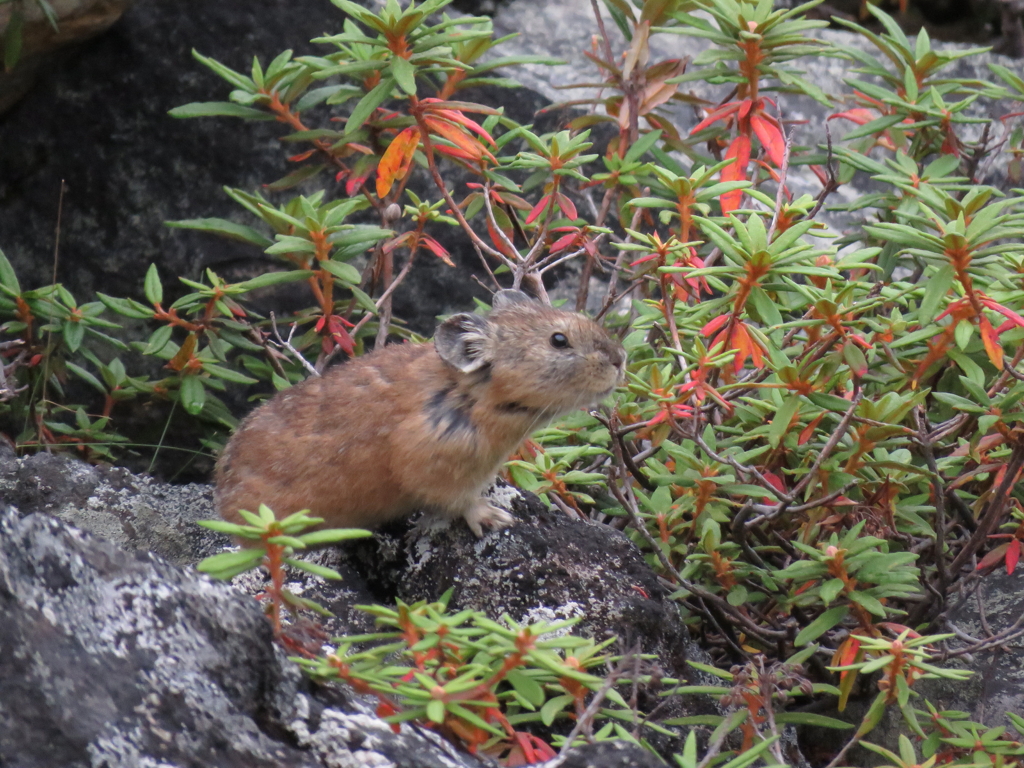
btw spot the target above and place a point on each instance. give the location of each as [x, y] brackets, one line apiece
[419, 426]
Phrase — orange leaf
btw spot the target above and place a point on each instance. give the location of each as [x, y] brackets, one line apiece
[771, 139]
[397, 159]
[991, 342]
[462, 140]
[742, 344]
[808, 431]
[184, 354]
[739, 153]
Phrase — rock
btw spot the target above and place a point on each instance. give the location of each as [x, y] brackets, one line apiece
[547, 567]
[76, 21]
[121, 659]
[132, 511]
[608, 754]
[987, 606]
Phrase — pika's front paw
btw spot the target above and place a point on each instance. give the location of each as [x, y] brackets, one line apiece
[483, 513]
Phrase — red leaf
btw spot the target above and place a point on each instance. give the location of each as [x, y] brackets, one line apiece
[566, 205]
[771, 139]
[860, 116]
[1013, 555]
[1006, 312]
[564, 242]
[397, 159]
[996, 555]
[437, 249]
[538, 209]
[718, 114]
[991, 341]
[739, 152]
[712, 327]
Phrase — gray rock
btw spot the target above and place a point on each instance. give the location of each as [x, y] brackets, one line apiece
[122, 659]
[986, 606]
[132, 511]
[118, 659]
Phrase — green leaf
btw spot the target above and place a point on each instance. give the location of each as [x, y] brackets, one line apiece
[436, 711]
[344, 272]
[332, 535]
[192, 394]
[317, 570]
[808, 718]
[868, 603]
[13, 36]
[219, 109]
[232, 529]
[85, 376]
[935, 291]
[275, 278]
[366, 105]
[783, 417]
[73, 335]
[295, 178]
[247, 558]
[766, 308]
[228, 375]
[404, 74]
[158, 340]
[7, 276]
[821, 625]
[126, 307]
[553, 706]
[153, 287]
[829, 590]
[526, 687]
[224, 228]
[854, 358]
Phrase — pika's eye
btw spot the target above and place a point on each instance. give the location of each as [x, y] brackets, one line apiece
[559, 341]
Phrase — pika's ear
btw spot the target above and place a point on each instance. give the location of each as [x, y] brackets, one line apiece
[464, 342]
[509, 298]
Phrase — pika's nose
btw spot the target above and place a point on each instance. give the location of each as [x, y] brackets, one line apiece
[614, 352]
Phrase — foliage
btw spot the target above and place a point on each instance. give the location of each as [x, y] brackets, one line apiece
[278, 540]
[820, 433]
[472, 678]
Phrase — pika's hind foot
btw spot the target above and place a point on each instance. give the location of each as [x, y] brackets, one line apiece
[484, 513]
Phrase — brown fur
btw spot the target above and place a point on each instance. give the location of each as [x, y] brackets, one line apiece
[417, 426]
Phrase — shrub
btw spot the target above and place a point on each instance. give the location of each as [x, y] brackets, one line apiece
[819, 433]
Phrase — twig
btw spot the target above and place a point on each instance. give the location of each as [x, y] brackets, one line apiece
[625, 497]
[287, 344]
[586, 720]
[831, 183]
[833, 441]
[996, 505]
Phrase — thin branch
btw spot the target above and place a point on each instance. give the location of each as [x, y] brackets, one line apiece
[287, 344]
[833, 441]
[996, 506]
